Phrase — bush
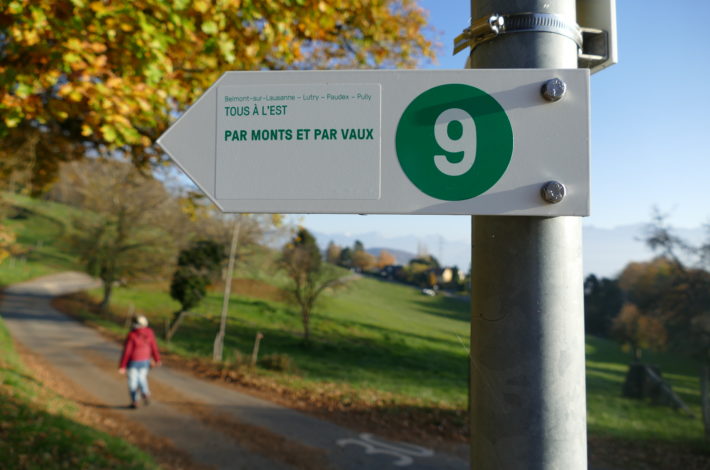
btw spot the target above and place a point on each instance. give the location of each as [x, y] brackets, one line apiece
[188, 287]
[204, 256]
[278, 362]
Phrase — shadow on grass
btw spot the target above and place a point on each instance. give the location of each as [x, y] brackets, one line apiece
[103, 406]
[446, 307]
[34, 438]
[391, 362]
[606, 372]
[19, 375]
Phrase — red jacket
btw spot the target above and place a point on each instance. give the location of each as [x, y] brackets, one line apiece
[140, 345]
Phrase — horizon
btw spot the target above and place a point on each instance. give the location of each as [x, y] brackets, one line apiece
[637, 127]
[647, 143]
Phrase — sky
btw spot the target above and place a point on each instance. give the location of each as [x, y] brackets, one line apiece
[650, 123]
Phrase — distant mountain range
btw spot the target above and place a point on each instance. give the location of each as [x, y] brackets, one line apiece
[402, 257]
[606, 251]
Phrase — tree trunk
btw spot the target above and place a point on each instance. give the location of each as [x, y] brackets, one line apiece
[305, 317]
[705, 397]
[174, 324]
[108, 288]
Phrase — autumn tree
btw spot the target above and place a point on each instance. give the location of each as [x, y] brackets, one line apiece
[310, 277]
[646, 283]
[7, 235]
[419, 268]
[7, 241]
[107, 76]
[358, 246]
[637, 331]
[363, 261]
[684, 300]
[385, 258]
[332, 253]
[130, 224]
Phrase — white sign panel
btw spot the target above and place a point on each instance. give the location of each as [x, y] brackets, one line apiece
[271, 136]
[399, 142]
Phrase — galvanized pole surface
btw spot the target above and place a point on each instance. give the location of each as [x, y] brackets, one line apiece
[528, 403]
[218, 347]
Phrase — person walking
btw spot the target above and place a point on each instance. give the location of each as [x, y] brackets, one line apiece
[140, 351]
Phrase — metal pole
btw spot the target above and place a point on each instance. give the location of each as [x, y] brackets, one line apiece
[528, 403]
[219, 339]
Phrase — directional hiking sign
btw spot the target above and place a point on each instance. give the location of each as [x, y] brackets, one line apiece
[389, 142]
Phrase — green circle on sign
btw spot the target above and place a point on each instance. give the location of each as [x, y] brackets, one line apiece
[454, 142]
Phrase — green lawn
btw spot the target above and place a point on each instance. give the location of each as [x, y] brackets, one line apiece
[377, 338]
[40, 227]
[371, 335]
[389, 338]
[38, 430]
[612, 415]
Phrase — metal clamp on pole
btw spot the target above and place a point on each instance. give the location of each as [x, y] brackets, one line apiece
[595, 53]
[480, 31]
[487, 28]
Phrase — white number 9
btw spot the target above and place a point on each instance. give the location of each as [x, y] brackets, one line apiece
[466, 143]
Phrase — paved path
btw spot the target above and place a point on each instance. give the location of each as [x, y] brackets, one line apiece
[66, 344]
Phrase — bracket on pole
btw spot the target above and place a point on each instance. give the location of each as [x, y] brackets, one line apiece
[480, 31]
[597, 19]
[595, 38]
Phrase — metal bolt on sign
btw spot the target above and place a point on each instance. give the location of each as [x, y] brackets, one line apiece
[554, 89]
[553, 192]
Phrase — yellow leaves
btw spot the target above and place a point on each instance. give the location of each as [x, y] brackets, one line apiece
[201, 5]
[229, 4]
[209, 27]
[74, 44]
[75, 95]
[113, 82]
[12, 121]
[98, 7]
[15, 7]
[143, 104]
[109, 133]
[30, 38]
[95, 47]
[23, 90]
[251, 50]
[7, 239]
[40, 19]
[100, 61]
[126, 65]
[125, 109]
[277, 220]
[227, 50]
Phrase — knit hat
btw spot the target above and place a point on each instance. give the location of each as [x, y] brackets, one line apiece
[140, 321]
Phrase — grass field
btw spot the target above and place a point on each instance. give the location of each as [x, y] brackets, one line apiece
[38, 429]
[372, 335]
[384, 341]
[612, 415]
[40, 227]
[390, 338]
